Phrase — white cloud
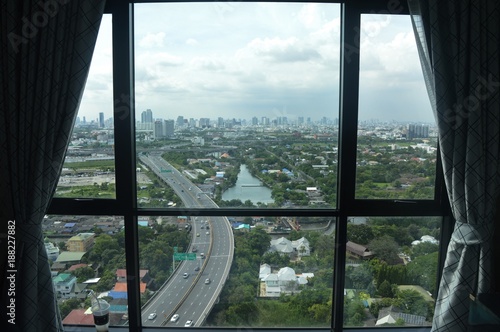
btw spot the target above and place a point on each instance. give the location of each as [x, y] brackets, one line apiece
[192, 42]
[152, 40]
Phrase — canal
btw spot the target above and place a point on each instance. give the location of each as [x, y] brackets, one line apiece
[248, 188]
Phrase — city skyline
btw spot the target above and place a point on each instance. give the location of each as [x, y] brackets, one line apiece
[285, 66]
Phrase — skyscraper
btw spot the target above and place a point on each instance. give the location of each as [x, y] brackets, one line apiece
[168, 126]
[158, 129]
[147, 116]
[101, 120]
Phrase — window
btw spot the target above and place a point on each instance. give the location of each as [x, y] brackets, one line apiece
[89, 166]
[246, 154]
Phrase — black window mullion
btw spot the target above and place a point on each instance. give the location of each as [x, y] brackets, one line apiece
[123, 93]
[349, 87]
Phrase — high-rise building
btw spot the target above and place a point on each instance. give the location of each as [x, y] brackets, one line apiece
[101, 120]
[204, 122]
[418, 131]
[180, 121]
[220, 122]
[168, 127]
[158, 129]
[147, 116]
[255, 121]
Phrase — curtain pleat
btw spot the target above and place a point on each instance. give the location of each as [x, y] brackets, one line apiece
[458, 43]
[45, 57]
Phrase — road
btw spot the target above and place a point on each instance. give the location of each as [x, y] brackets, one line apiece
[190, 296]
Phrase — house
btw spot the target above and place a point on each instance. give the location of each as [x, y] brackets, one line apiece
[76, 266]
[301, 247]
[119, 291]
[52, 250]
[285, 281]
[358, 250]
[282, 245]
[79, 291]
[121, 275]
[391, 315]
[80, 242]
[70, 257]
[63, 285]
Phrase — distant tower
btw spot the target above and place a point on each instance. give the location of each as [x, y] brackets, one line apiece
[168, 128]
[147, 116]
[101, 120]
[158, 129]
[180, 121]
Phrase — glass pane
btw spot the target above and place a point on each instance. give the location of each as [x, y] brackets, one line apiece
[237, 271]
[391, 271]
[397, 134]
[89, 167]
[241, 100]
[87, 253]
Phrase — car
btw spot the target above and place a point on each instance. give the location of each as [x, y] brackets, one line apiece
[202, 227]
[207, 281]
[152, 316]
[174, 318]
[194, 249]
[185, 275]
[197, 268]
[202, 255]
[208, 233]
[197, 234]
[189, 323]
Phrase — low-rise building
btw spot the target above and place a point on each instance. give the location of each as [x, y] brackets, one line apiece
[80, 242]
[285, 281]
[358, 250]
[63, 285]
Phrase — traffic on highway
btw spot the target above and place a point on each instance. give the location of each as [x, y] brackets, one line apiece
[187, 297]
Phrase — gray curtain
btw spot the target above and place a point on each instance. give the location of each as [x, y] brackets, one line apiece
[459, 49]
[45, 56]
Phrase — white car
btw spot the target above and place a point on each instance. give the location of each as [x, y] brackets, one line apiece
[174, 318]
[185, 275]
[207, 281]
[189, 323]
[152, 316]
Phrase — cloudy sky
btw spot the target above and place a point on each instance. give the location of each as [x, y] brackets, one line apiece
[239, 60]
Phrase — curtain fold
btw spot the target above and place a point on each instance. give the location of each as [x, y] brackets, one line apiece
[458, 43]
[46, 51]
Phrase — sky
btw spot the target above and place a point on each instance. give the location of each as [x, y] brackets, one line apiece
[239, 60]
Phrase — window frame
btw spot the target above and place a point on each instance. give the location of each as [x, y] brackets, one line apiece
[125, 204]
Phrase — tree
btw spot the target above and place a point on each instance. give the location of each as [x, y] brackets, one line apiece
[424, 248]
[84, 273]
[361, 234]
[423, 271]
[385, 248]
[359, 277]
[385, 289]
[68, 305]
